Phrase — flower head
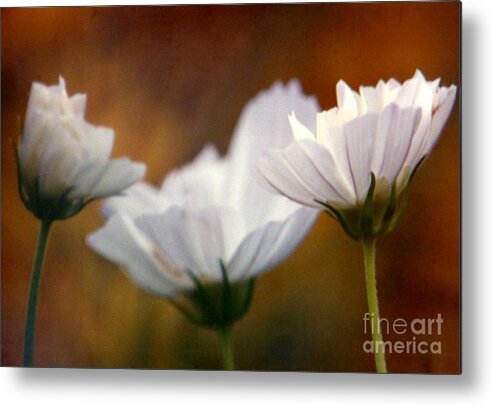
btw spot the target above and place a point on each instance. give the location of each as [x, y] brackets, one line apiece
[359, 163]
[63, 161]
[210, 229]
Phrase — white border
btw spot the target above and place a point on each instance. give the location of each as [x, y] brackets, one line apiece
[126, 387]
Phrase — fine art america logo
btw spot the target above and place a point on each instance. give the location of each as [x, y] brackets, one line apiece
[424, 332]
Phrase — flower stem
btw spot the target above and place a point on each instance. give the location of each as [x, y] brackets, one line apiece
[227, 348]
[33, 292]
[371, 291]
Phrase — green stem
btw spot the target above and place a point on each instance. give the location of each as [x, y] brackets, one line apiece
[227, 348]
[33, 292]
[371, 291]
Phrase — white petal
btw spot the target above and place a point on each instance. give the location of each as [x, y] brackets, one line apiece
[292, 233]
[439, 119]
[370, 95]
[97, 141]
[300, 132]
[120, 174]
[347, 99]
[200, 182]
[96, 144]
[434, 85]
[33, 145]
[59, 165]
[195, 240]
[138, 199]
[396, 128]
[39, 98]
[392, 84]
[390, 92]
[121, 241]
[264, 121]
[262, 205]
[253, 252]
[268, 245]
[274, 173]
[89, 174]
[78, 104]
[326, 165]
[418, 74]
[330, 134]
[360, 135]
[415, 92]
[316, 169]
[170, 232]
[328, 123]
[264, 124]
[207, 159]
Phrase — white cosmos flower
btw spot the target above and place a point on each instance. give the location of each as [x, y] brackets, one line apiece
[210, 216]
[385, 130]
[64, 161]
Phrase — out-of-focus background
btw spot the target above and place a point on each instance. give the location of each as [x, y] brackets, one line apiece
[170, 79]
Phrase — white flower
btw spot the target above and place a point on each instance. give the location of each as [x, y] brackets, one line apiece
[210, 220]
[385, 131]
[64, 161]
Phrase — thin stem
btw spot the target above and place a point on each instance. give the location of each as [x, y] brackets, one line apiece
[371, 291]
[33, 292]
[227, 348]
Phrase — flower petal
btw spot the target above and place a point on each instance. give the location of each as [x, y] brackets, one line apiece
[264, 121]
[360, 135]
[138, 199]
[440, 117]
[268, 245]
[326, 165]
[415, 92]
[300, 132]
[264, 124]
[121, 241]
[273, 172]
[78, 104]
[396, 128]
[200, 183]
[315, 167]
[120, 174]
[370, 96]
[195, 239]
[58, 169]
[347, 99]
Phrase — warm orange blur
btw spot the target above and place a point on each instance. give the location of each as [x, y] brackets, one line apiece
[168, 80]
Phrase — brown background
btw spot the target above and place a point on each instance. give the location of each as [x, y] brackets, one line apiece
[170, 79]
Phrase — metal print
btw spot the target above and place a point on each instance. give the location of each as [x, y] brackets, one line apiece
[240, 187]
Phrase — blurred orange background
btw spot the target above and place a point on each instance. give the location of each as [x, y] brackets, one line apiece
[170, 79]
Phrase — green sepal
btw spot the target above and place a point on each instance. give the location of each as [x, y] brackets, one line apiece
[404, 198]
[367, 212]
[217, 305]
[388, 215]
[337, 215]
[358, 222]
[20, 180]
[374, 217]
